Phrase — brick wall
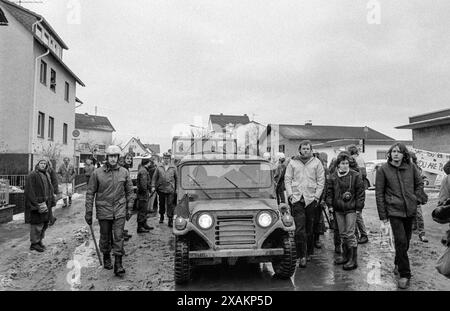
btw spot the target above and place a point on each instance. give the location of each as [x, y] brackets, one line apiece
[436, 138]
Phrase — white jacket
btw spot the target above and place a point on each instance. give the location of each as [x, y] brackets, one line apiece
[307, 180]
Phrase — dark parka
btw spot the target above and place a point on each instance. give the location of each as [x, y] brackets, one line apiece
[397, 190]
[113, 192]
[37, 192]
[336, 186]
[143, 183]
[165, 181]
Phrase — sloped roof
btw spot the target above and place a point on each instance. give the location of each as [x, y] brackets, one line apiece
[436, 118]
[27, 18]
[154, 148]
[326, 132]
[89, 122]
[342, 142]
[222, 120]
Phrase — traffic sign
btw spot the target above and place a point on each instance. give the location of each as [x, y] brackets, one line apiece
[76, 133]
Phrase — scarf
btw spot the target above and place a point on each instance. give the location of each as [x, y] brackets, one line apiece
[46, 183]
[342, 174]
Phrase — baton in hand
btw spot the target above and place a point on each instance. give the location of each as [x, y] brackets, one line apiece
[96, 246]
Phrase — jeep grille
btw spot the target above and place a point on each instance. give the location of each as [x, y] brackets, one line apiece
[235, 231]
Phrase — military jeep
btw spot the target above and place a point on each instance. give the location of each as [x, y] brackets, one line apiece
[227, 211]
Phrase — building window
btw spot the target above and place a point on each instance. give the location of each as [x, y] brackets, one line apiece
[46, 39]
[268, 149]
[43, 72]
[65, 134]
[39, 32]
[66, 92]
[51, 128]
[41, 120]
[3, 20]
[53, 80]
[382, 154]
[281, 148]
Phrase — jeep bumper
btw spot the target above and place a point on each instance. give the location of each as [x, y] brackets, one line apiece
[236, 253]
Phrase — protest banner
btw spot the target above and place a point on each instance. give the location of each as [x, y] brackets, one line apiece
[432, 162]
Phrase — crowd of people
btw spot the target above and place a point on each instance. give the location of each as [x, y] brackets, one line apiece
[312, 189]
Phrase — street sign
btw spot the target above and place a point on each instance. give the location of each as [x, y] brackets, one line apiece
[76, 133]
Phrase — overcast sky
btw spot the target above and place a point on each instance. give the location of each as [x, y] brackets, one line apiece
[149, 65]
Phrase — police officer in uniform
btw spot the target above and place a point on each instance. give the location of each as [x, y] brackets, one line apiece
[112, 189]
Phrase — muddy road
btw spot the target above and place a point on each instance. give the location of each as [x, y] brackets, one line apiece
[70, 261]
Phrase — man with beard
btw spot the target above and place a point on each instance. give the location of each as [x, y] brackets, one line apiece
[304, 181]
[112, 189]
[39, 195]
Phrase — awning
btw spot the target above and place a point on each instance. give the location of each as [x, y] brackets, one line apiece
[426, 123]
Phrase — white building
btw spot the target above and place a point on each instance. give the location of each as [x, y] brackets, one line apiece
[95, 135]
[37, 92]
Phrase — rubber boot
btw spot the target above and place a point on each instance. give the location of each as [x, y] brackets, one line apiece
[118, 268]
[70, 201]
[107, 263]
[161, 218]
[170, 222]
[353, 257]
[146, 226]
[65, 202]
[141, 229]
[343, 257]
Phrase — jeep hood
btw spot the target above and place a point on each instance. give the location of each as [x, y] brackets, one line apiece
[232, 204]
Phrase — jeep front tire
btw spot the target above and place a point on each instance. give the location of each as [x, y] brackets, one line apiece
[182, 266]
[284, 266]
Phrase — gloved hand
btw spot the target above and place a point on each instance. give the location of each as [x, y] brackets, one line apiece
[43, 208]
[88, 218]
[128, 215]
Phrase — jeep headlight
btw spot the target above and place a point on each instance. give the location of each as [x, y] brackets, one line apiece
[180, 223]
[205, 221]
[264, 219]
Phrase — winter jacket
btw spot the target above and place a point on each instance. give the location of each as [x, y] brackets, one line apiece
[337, 186]
[279, 176]
[444, 193]
[38, 189]
[307, 180]
[143, 183]
[165, 181]
[54, 181]
[397, 190]
[88, 170]
[66, 174]
[113, 192]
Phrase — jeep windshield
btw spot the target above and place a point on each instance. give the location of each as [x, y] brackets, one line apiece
[222, 180]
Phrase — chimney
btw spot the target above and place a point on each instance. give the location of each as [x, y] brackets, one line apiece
[308, 122]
